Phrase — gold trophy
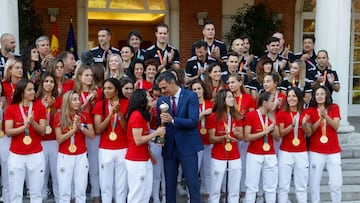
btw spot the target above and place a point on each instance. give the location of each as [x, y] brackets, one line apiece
[164, 107]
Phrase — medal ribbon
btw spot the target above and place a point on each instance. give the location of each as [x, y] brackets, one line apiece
[296, 128]
[239, 103]
[325, 76]
[264, 125]
[160, 56]
[23, 115]
[323, 124]
[228, 124]
[203, 118]
[113, 122]
[1, 116]
[48, 110]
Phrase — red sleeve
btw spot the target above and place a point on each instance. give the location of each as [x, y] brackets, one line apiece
[249, 118]
[314, 115]
[9, 113]
[239, 123]
[135, 119]
[86, 117]
[97, 110]
[335, 110]
[280, 117]
[57, 118]
[40, 110]
[211, 122]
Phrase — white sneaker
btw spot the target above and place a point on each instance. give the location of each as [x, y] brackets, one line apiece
[259, 199]
[180, 189]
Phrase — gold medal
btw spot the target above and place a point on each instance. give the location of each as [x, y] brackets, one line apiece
[324, 139]
[203, 131]
[2, 133]
[72, 148]
[296, 141]
[48, 129]
[266, 147]
[27, 140]
[228, 147]
[112, 136]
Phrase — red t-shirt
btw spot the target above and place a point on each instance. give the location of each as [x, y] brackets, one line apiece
[90, 105]
[48, 113]
[134, 152]
[204, 138]
[121, 140]
[144, 84]
[67, 84]
[286, 143]
[17, 145]
[8, 89]
[282, 98]
[245, 103]
[79, 137]
[218, 150]
[332, 146]
[256, 146]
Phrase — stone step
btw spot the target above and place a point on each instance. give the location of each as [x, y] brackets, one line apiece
[349, 193]
[350, 152]
[350, 164]
[351, 177]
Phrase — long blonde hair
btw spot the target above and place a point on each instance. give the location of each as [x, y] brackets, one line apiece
[121, 67]
[80, 70]
[302, 71]
[65, 120]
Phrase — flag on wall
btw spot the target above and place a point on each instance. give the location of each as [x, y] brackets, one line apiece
[71, 44]
[54, 41]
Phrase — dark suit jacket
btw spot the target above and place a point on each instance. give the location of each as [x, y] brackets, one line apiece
[183, 135]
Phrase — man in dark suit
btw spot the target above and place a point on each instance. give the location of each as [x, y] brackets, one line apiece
[182, 137]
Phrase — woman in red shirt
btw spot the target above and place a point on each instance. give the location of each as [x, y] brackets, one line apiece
[139, 75]
[137, 159]
[260, 129]
[71, 126]
[244, 104]
[225, 129]
[25, 124]
[213, 79]
[45, 96]
[111, 126]
[12, 74]
[293, 155]
[205, 109]
[324, 148]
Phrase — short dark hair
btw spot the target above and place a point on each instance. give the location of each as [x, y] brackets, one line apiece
[105, 29]
[167, 76]
[312, 37]
[133, 33]
[272, 39]
[208, 22]
[200, 43]
[162, 25]
[138, 102]
[117, 85]
[233, 53]
[264, 96]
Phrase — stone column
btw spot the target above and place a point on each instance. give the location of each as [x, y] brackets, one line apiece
[9, 20]
[333, 34]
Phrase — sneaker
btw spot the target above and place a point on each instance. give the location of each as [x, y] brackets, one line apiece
[180, 189]
[27, 194]
[259, 199]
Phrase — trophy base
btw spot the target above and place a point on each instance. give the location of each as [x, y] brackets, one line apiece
[160, 140]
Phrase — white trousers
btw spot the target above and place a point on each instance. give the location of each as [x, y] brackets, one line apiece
[141, 175]
[4, 154]
[204, 158]
[218, 170]
[113, 176]
[296, 163]
[255, 165]
[19, 166]
[92, 147]
[158, 173]
[243, 146]
[332, 162]
[72, 169]
[50, 150]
